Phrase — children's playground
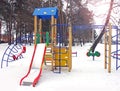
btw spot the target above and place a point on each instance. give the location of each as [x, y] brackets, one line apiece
[49, 65]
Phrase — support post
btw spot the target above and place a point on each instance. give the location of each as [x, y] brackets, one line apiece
[55, 32]
[35, 28]
[40, 29]
[70, 49]
[52, 38]
[109, 54]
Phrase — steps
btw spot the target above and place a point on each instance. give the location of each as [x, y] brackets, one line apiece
[48, 56]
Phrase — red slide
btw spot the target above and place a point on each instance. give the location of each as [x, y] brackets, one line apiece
[35, 68]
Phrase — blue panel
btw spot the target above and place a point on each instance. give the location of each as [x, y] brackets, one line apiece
[46, 13]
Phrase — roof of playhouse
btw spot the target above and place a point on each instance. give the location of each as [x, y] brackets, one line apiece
[46, 13]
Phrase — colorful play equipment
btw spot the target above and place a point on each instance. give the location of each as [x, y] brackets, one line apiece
[58, 56]
[19, 55]
[93, 54]
[11, 52]
[108, 49]
[53, 54]
[107, 31]
[40, 35]
[35, 67]
[92, 48]
[90, 53]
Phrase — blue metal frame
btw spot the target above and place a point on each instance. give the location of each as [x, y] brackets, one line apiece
[115, 53]
[9, 52]
[84, 27]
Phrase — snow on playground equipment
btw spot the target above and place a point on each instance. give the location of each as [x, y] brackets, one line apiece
[10, 51]
[108, 49]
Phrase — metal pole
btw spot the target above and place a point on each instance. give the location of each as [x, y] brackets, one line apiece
[117, 42]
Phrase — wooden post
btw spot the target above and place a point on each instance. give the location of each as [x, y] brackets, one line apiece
[35, 28]
[70, 49]
[55, 32]
[52, 38]
[109, 54]
[40, 29]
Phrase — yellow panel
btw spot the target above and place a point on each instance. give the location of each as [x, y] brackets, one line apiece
[62, 63]
[61, 56]
[62, 50]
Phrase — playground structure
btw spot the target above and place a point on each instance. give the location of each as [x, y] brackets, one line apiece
[60, 55]
[92, 48]
[56, 51]
[12, 53]
[83, 27]
[52, 54]
[108, 43]
[108, 48]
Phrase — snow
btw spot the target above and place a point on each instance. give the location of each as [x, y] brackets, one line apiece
[86, 74]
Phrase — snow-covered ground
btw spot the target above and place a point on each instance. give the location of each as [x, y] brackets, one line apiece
[86, 74]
